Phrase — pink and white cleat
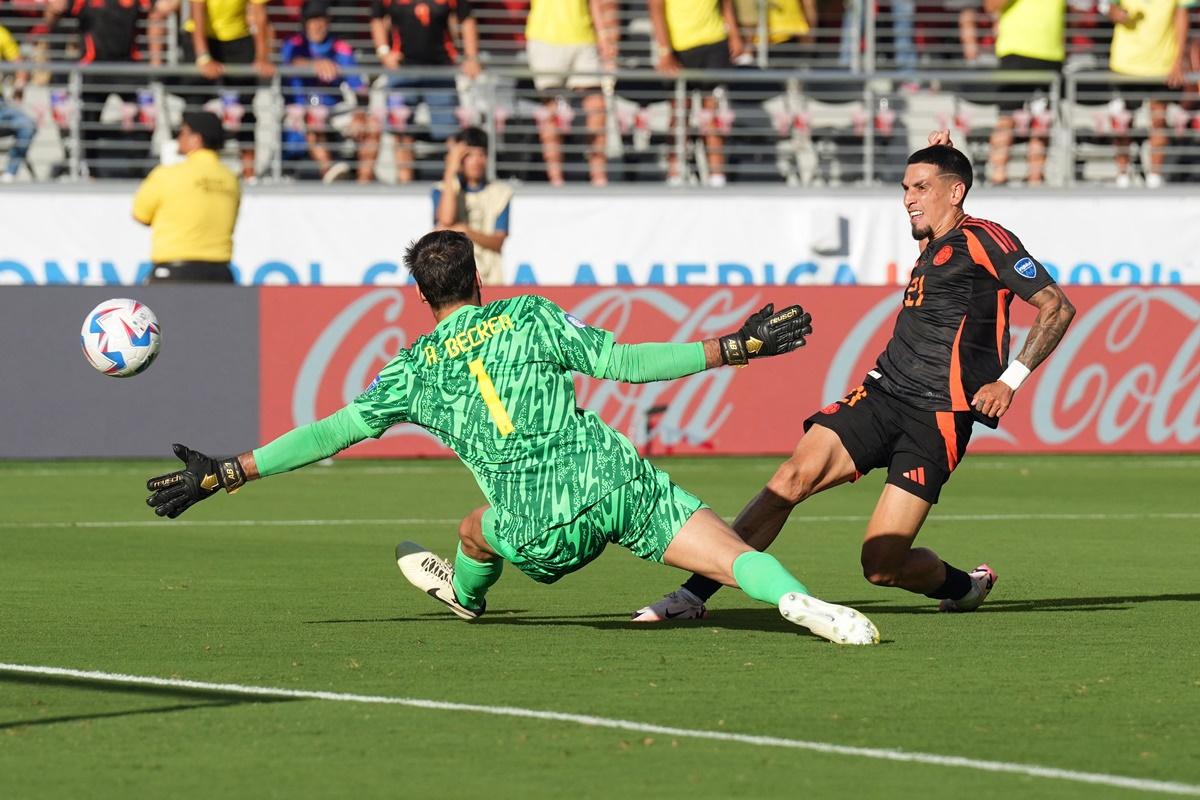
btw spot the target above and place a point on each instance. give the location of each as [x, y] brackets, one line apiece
[983, 578]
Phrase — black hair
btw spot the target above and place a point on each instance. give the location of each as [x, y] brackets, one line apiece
[208, 125]
[314, 9]
[948, 161]
[443, 265]
[473, 137]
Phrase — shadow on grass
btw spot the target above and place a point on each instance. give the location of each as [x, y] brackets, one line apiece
[762, 619]
[1000, 606]
[214, 698]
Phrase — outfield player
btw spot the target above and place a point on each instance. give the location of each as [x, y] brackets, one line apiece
[946, 366]
[494, 384]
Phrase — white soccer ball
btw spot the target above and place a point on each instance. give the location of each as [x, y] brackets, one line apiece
[120, 337]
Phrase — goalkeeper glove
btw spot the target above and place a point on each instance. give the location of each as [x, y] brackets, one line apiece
[199, 479]
[767, 333]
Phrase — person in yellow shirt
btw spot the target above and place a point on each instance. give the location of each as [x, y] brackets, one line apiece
[191, 207]
[564, 38]
[234, 32]
[1149, 41]
[1030, 37]
[12, 117]
[697, 35]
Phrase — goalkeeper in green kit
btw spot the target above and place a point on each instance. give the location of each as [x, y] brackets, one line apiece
[494, 383]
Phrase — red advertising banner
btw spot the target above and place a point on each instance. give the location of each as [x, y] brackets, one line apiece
[1125, 378]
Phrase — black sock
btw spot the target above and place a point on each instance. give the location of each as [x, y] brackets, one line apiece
[701, 586]
[956, 586]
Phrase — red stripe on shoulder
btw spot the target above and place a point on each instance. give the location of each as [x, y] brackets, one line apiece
[996, 233]
[978, 252]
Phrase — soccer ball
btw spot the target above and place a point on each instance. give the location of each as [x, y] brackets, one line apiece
[120, 337]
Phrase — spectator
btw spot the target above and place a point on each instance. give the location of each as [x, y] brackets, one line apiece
[697, 35]
[421, 35]
[313, 102]
[968, 26]
[465, 201]
[108, 32]
[1029, 37]
[191, 207]
[566, 40]
[13, 119]
[791, 28]
[238, 33]
[1149, 41]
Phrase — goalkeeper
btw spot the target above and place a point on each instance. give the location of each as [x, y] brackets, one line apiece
[494, 384]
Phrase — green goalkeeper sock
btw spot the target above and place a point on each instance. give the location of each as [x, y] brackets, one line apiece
[762, 577]
[473, 578]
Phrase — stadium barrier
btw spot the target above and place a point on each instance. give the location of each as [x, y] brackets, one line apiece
[239, 367]
[797, 127]
[630, 236]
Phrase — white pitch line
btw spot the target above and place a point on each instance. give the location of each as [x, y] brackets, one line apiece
[285, 523]
[933, 759]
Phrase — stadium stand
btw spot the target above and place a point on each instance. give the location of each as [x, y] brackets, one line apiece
[831, 105]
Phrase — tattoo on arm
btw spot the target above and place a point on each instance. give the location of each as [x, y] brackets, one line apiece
[1054, 315]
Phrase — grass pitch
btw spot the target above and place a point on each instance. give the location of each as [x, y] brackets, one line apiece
[1085, 658]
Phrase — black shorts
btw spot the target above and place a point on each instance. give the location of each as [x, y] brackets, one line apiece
[1134, 94]
[190, 272]
[235, 51]
[1012, 96]
[919, 448]
[706, 56]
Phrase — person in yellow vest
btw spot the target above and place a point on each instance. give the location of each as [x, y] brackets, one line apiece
[1030, 37]
[237, 33]
[12, 117]
[467, 202]
[191, 207]
[568, 42]
[790, 28]
[1149, 41]
[697, 35]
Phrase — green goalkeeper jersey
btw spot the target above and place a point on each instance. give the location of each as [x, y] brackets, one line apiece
[494, 384]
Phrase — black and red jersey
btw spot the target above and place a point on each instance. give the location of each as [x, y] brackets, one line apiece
[421, 28]
[951, 335]
[109, 28]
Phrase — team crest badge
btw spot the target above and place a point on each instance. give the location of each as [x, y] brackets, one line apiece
[1026, 268]
[831, 408]
[574, 320]
[943, 255]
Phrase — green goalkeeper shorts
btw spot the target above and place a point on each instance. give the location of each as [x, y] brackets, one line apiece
[642, 516]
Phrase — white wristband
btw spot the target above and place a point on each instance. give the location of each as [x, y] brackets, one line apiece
[1015, 375]
[382, 50]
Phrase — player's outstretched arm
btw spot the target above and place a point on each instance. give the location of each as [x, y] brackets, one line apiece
[203, 476]
[765, 333]
[1055, 313]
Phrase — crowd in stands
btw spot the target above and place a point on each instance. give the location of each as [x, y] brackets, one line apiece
[361, 75]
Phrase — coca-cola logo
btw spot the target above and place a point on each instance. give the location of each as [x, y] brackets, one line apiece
[695, 407]
[1115, 371]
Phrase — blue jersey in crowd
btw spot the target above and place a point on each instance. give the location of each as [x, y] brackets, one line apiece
[310, 90]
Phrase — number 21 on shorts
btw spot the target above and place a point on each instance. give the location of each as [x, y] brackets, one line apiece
[487, 390]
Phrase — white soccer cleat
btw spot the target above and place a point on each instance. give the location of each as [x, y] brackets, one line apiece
[433, 575]
[838, 624]
[983, 578]
[679, 604]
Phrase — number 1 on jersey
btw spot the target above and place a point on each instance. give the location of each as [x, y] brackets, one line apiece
[487, 390]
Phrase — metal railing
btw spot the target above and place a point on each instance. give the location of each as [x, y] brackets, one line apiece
[801, 128]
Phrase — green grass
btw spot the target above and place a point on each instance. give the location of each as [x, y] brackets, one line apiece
[1085, 658]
